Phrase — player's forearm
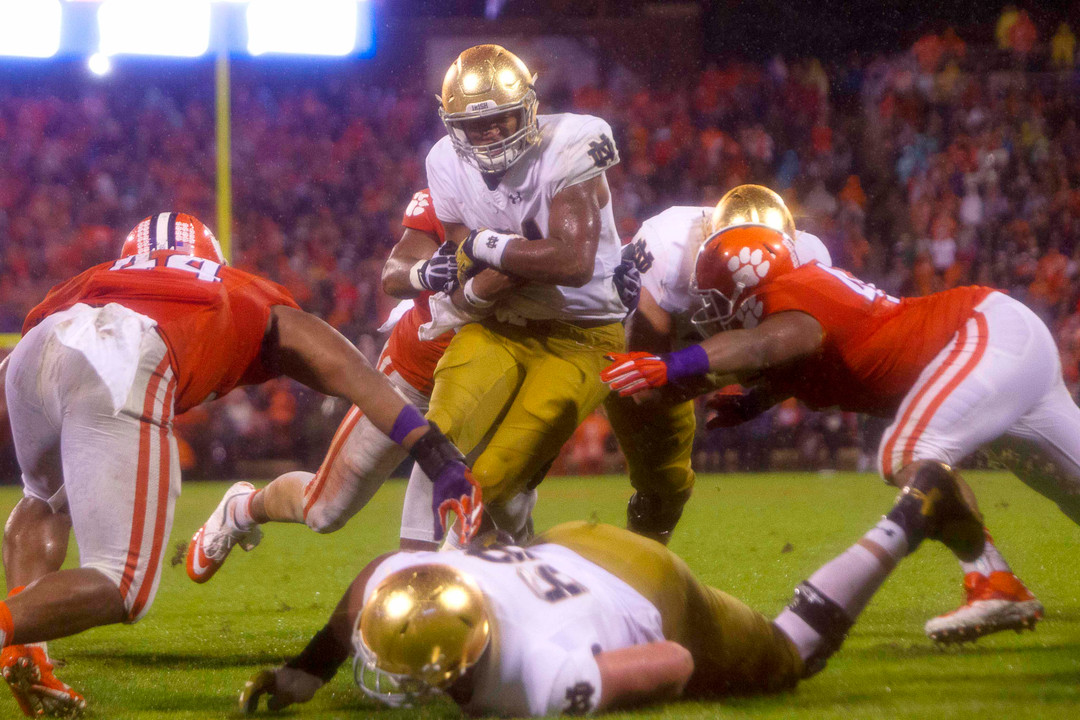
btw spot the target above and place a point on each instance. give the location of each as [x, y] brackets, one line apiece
[307, 349]
[482, 291]
[395, 277]
[399, 272]
[780, 339]
[649, 329]
[332, 645]
[552, 260]
[643, 674]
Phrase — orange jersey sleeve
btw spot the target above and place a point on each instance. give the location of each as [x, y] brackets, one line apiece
[420, 215]
[211, 317]
[875, 346]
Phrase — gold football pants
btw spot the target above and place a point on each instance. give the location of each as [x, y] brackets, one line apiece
[518, 394]
[657, 441]
[736, 650]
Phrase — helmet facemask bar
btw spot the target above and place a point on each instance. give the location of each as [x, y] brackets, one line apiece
[391, 689]
[499, 156]
[717, 310]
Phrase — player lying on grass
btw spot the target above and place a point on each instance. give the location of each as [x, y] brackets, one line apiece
[105, 363]
[590, 617]
[954, 371]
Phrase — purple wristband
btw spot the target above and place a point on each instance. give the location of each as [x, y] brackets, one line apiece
[688, 362]
[407, 420]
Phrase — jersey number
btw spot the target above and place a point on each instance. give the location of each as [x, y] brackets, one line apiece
[542, 579]
[205, 270]
[866, 290]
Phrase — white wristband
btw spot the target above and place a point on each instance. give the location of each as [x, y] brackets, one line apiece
[473, 299]
[489, 246]
[414, 276]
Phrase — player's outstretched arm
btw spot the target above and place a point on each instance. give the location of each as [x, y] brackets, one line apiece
[300, 678]
[305, 348]
[565, 257]
[641, 674]
[779, 339]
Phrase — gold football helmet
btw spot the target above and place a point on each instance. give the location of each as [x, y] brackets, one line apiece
[752, 205]
[484, 81]
[420, 630]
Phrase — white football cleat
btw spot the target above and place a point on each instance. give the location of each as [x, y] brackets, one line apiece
[213, 541]
[996, 602]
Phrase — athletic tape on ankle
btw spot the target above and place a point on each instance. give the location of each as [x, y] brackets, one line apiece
[408, 419]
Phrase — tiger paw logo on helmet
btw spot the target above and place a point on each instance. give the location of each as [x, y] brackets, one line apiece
[749, 267]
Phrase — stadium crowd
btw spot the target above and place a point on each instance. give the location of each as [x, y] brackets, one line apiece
[942, 166]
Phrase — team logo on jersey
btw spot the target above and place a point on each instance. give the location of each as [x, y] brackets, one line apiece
[579, 698]
[420, 202]
[602, 151]
[515, 198]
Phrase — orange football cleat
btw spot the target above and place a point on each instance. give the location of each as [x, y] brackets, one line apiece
[996, 602]
[39, 693]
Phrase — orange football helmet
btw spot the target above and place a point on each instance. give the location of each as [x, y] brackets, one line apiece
[731, 266]
[179, 232]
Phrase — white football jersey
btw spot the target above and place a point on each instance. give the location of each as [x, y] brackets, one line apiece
[666, 247]
[572, 149]
[553, 611]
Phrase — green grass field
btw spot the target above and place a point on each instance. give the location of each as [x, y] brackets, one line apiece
[754, 536]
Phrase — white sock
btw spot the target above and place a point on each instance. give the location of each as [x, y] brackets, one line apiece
[849, 580]
[241, 511]
[990, 560]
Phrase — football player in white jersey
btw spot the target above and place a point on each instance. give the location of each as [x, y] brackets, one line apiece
[657, 435]
[524, 194]
[590, 618]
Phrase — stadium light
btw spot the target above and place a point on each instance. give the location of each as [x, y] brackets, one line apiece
[99, 64]
[179, 28]
[316, 27]
[30, 28]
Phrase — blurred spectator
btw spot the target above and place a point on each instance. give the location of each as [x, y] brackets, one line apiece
[1063, 47]
[922, 170]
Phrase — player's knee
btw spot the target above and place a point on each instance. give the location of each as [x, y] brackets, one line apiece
[498, 476]
[110, 598]
[322, 521]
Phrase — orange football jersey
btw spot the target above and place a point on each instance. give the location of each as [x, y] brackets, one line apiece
[413, 358]
[211, 317]
[875, 345]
